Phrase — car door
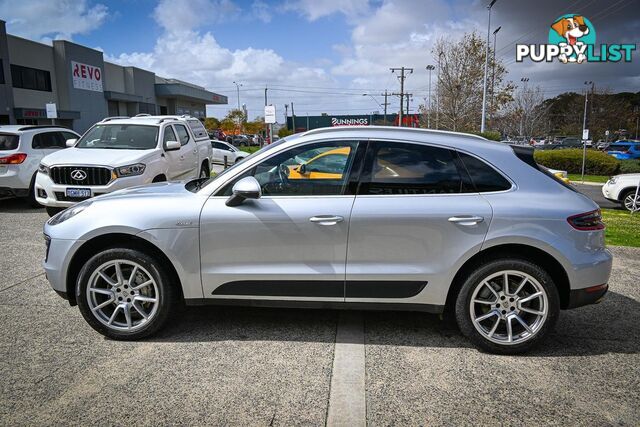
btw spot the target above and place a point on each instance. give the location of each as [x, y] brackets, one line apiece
[188, 152]
[175, 158]
[415, 216]
[289, 244]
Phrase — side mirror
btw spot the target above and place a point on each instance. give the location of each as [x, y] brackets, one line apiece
[247, 188]
[71, 142]
[302, 168]
[172, 146]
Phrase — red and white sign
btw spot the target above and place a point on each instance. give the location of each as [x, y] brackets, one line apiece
[86, 76]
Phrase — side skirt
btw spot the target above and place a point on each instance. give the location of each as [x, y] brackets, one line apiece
[426, 308]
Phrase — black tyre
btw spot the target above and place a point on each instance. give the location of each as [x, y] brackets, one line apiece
[31, 198]
[204, 171]
[52, 211]
[507, 306]
[238, 160]
[125, 294]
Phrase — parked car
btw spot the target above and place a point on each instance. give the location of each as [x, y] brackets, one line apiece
[238, 140]
[562, 175]
[602, 145]
[436, 221]
[223, 149]
[622, 189]
[562, 142]
[218, 134]
[624, 150]
[21, 150]
[120, 153]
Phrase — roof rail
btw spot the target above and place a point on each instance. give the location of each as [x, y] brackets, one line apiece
[27, 127]
[390, 128]
[142, 115]
[107, 119]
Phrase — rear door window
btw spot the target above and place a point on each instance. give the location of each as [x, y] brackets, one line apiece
[183, 135]
[47, 140]
[8, 141]
[402, 168]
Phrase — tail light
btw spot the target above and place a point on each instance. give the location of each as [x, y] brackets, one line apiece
[13, 159]
[587, 221]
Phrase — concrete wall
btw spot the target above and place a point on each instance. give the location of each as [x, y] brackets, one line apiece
[140, 82]
[114, 77]
[35, 55]
[91, 104]
[6, 94]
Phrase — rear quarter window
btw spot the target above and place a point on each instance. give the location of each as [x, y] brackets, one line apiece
[484, 177]
[198, 129]
[8, 141]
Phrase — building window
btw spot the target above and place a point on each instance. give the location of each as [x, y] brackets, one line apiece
[1, 72]
[146, 108]
[30, 78]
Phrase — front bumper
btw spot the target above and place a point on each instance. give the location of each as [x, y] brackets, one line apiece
[57, 256]
[587, 296]
[55, 194]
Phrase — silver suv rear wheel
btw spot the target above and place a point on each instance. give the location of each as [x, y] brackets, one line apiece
[507, 305]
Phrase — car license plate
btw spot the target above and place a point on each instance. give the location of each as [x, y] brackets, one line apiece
[79, 193]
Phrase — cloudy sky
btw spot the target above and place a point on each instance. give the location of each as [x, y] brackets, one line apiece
[322, 54]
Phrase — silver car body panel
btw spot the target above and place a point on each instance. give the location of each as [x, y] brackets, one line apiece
[381, 238]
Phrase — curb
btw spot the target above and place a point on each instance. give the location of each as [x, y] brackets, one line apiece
[594, 184]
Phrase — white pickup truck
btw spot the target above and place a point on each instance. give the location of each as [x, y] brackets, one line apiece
[122, 152]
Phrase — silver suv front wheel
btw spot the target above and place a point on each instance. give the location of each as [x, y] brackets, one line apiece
[125, 293]
[507, 306]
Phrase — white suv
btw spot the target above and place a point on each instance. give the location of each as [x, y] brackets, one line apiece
[118, 153]
[21, 150]
[622, 189]
[222, 149]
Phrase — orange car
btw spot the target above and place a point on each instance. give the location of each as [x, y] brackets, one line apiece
[327, 165]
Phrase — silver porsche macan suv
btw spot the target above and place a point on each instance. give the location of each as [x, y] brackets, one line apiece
[358, 217]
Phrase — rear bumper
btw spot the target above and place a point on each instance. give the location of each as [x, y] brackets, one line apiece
[13, 192]
[587, 296]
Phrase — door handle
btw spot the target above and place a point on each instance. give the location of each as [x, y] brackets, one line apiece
[195, 151]
[326, 219]
[466, 219]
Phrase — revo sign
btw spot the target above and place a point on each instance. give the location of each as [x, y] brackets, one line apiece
[86, 76]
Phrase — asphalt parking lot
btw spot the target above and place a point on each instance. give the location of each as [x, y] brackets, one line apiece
[239, 366]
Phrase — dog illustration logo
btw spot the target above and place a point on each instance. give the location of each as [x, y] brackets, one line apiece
[574, 32]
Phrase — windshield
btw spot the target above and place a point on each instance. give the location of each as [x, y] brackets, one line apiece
[120, 137]
[235, 166]
[8, 141]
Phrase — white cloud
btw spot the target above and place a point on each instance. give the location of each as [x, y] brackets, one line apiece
[184, 15]
[315, 9]
[261, 11]
[46, 19]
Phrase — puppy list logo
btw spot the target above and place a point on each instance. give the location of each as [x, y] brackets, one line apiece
[572, 39]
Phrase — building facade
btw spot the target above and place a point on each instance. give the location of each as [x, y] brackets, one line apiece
[84, 87]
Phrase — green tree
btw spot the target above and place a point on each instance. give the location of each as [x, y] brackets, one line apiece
[211, 123]
[459, 83]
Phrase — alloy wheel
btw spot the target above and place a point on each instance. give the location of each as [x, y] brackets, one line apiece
[509, 307]
[122, 295]
[629, 202]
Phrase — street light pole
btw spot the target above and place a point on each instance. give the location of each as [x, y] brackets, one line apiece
[486, 66]
[429, 69]
[493, 71]
[238, 92]
[584, 126]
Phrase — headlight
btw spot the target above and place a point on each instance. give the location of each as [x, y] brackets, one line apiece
[130, 170]
[612, 180]
[68, 213]
[43, 169]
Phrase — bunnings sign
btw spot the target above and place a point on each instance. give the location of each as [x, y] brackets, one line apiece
[303, 123]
